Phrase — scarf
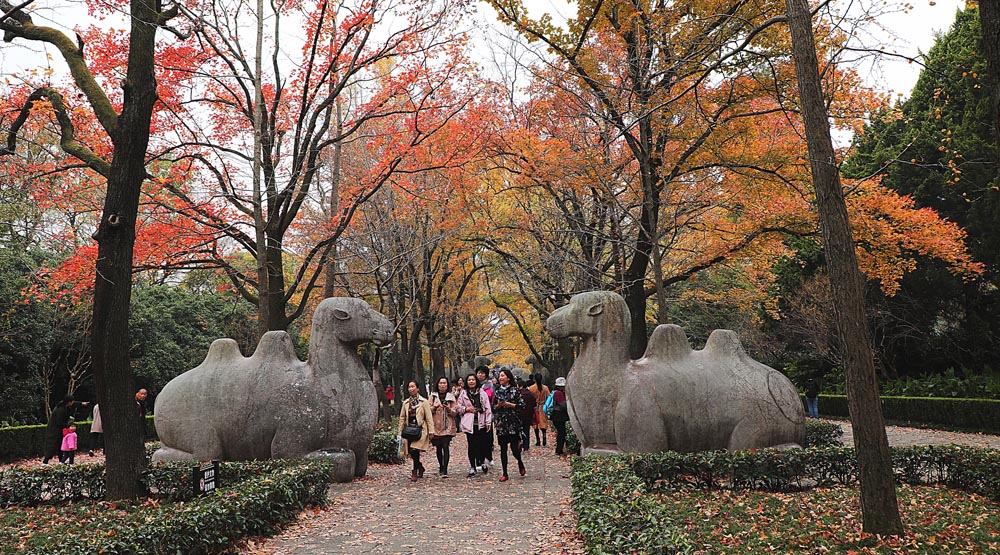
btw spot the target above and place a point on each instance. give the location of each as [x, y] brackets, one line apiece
[476, 399]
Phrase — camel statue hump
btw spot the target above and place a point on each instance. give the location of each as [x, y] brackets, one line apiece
[222, 351]
[668, 342]
[724, 344]
[275, 346]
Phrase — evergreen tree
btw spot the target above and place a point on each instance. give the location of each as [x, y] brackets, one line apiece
[938, 146]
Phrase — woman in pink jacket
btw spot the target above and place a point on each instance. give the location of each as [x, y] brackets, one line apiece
[477, 420]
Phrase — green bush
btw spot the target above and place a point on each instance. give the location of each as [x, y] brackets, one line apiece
[823, 434]
[981, 415]
[615, 514]
[572, 442]
[945, 385]
[385, 446]
[268, 495]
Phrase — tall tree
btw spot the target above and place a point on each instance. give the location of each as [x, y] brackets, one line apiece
[879, 507]
[939, 148]
[673, 89]
[989, 17]
[356, 81]
[124, 170]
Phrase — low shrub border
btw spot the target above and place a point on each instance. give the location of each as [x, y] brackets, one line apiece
[267, 497]
[610, 490]
[981, 415]
[26, 442]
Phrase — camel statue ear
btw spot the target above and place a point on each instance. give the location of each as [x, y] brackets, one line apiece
[596, 309]
[340, 314]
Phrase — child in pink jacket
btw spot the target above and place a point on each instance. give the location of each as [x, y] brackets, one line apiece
[68, 450]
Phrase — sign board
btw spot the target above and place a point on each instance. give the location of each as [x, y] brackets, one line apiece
[205, 478]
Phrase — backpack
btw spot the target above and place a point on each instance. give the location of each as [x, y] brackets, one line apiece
[547, 407]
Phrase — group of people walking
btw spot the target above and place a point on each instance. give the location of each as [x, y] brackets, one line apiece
[482, 410]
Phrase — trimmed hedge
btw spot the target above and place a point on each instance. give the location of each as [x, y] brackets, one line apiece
[617, 514]
[823, 434]
[981, 415]
[27, 442]
[268, 495]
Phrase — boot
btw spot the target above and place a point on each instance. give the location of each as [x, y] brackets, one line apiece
[413, 475]
[420, 471]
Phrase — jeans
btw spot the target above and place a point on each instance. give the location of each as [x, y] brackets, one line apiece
[812, 403]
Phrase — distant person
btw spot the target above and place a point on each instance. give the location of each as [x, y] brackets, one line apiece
[416, 412]
[67, 450]
[141, 398]
[507, 420]
[527, 414]
[812, 398]
[389, 396]
[96, 431]
[443, 409]
[541, 393]
[477, 418]
[58, 421]
[560, 414]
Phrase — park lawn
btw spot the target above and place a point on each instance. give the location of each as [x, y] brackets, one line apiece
[827, 520]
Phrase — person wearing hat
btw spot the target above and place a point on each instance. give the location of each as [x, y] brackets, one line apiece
[560, 414]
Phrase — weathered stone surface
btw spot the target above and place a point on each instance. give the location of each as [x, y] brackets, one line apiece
[673, 398]
[342, 460]
[272, 405]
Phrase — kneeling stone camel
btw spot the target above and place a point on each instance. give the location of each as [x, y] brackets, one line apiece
[272, 405]
[673, 398]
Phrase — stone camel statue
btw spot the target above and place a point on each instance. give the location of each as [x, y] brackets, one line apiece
[673, 398]
[272, 405]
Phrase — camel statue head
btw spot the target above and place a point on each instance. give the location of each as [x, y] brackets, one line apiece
[351, 322]
[590, 314]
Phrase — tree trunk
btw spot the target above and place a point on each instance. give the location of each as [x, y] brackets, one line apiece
[274, 298]
[125, 456]
[879, 507]
[259, 216]
[989, 19]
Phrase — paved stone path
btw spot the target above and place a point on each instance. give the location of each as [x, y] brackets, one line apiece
[386, 513]
[904, 437]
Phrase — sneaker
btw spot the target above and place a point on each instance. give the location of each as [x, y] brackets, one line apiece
[504, 478]
[445, 475]
[485, 468]
[90, 453]
[472, 472]
[520, 468]
[489, 463]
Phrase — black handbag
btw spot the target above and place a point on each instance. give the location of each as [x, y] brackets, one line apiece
[412, 433]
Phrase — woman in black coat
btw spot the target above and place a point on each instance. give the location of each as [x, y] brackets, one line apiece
[58, 420]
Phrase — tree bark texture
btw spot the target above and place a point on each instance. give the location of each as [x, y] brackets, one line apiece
[879, 507]
[123, 429]
[989, 19]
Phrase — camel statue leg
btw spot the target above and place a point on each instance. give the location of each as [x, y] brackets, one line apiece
[360, 462]
[167, 454]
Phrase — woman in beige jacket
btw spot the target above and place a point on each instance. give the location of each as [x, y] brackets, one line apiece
[416, 412]
[443, 408]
